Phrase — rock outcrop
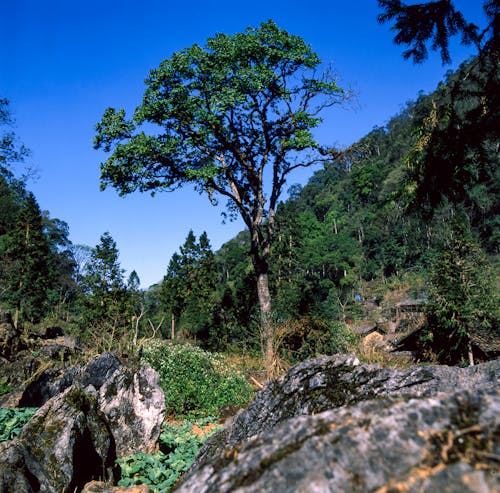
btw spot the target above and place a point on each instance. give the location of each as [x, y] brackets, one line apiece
[134, 406]
[333, 424]
[66, 443]
[53, 381]
[90, 417]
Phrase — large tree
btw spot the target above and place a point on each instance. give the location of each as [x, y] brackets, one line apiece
[234, 118]
[28, 277]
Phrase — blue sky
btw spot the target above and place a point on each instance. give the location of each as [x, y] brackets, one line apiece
[62, 63]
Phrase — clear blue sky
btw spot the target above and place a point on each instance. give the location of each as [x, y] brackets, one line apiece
[62, 62]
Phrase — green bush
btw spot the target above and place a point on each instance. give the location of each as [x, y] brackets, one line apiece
[194, 381]
[179, 447]
[310, 337]
[13, 420]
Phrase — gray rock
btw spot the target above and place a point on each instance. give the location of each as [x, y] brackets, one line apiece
[91, 416]
[48, 384]
[98, 370]
[64, 445]
[52, 382]
[289, 438]
[134, 406]
[426, 444]
[14, 474]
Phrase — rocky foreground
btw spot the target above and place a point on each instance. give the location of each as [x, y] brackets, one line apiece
[90, 416]
[330, 424]
[335, 425]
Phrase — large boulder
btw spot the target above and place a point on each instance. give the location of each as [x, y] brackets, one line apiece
[134, 406]
[427, 444]
[90, 417]
[131, 400]
[333, 424]
[53, 381]
[65, 444]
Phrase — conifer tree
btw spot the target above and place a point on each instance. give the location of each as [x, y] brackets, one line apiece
[28, 277]
[188, 289]
[105, 293]
[462, 297]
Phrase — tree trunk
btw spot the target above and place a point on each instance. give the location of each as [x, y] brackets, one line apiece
[16, 317]
[470, 353]
[268, 342]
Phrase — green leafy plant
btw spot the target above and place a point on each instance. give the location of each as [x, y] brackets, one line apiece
[13, 420]
[5, 388]
[179, 446]
[196, 382]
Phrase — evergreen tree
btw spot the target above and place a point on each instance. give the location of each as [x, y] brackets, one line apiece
[462, 297]
[190, 286]
[104, 304]
[28, 273]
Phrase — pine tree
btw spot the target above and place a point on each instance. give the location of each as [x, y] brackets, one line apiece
[28, 277]
[189, 288]
[105, 298]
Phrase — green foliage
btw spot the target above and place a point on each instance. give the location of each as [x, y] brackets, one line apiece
[28, 273]
[5, 388]
[179, 446]
[311, 337]
[431, 22]
[194, 381]
[11, 152]
[208, 102]
[188, 289]
[104, 303]
[13, 420]
[462, 297]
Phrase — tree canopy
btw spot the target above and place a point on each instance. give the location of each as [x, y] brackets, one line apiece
[228, 117]
[434, 23]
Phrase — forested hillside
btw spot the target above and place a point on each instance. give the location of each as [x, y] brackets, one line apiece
[414, 201]
[393, 206]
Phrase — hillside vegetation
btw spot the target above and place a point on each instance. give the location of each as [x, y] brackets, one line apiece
[412, 206]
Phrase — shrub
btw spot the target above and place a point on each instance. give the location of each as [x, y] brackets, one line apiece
[195, 381]
[5, 388]
[309, 337]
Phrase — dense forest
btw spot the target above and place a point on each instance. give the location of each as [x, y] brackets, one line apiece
[414, 201]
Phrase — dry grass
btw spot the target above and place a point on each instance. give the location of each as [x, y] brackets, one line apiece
[375, 355]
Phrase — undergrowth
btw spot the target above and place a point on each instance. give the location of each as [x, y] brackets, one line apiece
[5, 388]
[13, 420]
[195, 382]
[179, 445]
